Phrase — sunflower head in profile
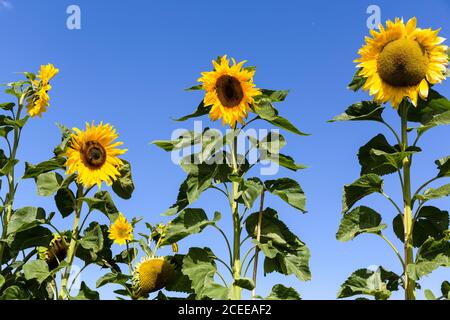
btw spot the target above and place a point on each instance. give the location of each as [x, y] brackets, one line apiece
[402, 61]
[55, 252]
[152, 274]
[93, 155]
[229, 91]
[38, 102]
[121, 230]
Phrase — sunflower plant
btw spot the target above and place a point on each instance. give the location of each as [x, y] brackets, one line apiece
[21, 228]
[219, 164]
[400, 64]
[83, 161]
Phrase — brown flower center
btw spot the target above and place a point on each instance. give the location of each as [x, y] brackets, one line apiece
[229, 91]
[403, 63]
[94, 154]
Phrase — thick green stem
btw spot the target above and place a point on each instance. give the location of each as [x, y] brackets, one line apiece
[72, 246]
[407, 212]
[236, 291]
[9, 199]
[258, 238]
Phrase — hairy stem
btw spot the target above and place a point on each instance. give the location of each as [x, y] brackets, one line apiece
[407, 211]
[72, 246]
[258, 237]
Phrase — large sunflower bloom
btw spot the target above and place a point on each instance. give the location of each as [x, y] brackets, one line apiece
[229, 91]
[38, 103]
[152, 274]
[121, 230]
[92, 153]
[401, 61]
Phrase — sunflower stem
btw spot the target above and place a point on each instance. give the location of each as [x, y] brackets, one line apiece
[64, 293]
[9, 198]
[409, 284]
[258, 237]
[236, 292]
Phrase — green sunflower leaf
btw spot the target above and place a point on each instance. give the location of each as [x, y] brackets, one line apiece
[435, 105]
[379, 284]
[443, 166]
[102, 201]
[7, 106]
[432, 193]
[275, 95]
[201, 111]
[123, 186]
[36, 269]
[187, 139]
[285, 252]
[65, 201]
[437, 120]
[87, 294]
[194, 88]
[357, 81]
[360, 220]
[112, 277]
[430, 222]
[92, 238]
[289, 191]
[32, 171]
[25, 218]
[362, 187]
[199, 266]
[48, 183]
[379, 157]
[250, 189]
[189, 221]
[14, 293]
[431, 255]
[445, 289]
[280, 292]
[245, 283]
[34, 237]
[364, 110]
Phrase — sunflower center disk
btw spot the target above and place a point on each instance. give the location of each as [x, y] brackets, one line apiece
[229, 91]
[402, 63]
[94, 154]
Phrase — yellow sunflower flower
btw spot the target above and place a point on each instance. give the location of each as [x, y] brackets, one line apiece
[92, 153]
[401, 61]
[152, 274]
[38, 103]
[121, 230]
[229, 91]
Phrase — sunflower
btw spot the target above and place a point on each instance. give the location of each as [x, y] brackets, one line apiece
[93, 154]
[229, 91]
[402, 61]
[55, 252]
[121, 230]
[152, 274]
[38, 102]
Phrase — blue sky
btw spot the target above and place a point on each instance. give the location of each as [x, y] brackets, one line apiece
[128, 66]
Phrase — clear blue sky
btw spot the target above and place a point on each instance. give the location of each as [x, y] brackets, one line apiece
[128, 66]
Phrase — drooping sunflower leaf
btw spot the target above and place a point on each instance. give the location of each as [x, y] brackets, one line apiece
[430, 222]
[245, 283]
[379, 284]
[14, 293]
[34, 237]
[7, 106]
[25, 218]
[379, 157]
[189, 221]
[364, 110]
[285, 252]
[288, 190]
[437, 120]
[200, 268]
[112, 277]
[250, 189]
[65, 201]
[36, 269]
[102, 201]
[275, 95]
[357, 81]
[187, 139]
[431, 255]
[360, 220]
[280, 292]
[362, 187]
[87, 294]
[48, 183]
[123, 186]
[92, 238]
[434, 105]
[443, 167]
[445, 289]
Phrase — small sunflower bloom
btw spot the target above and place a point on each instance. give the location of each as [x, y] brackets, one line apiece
[402, 61]
[38, 102]
[230, 91]
[121, 230]
[93, 155]
[152, 274]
